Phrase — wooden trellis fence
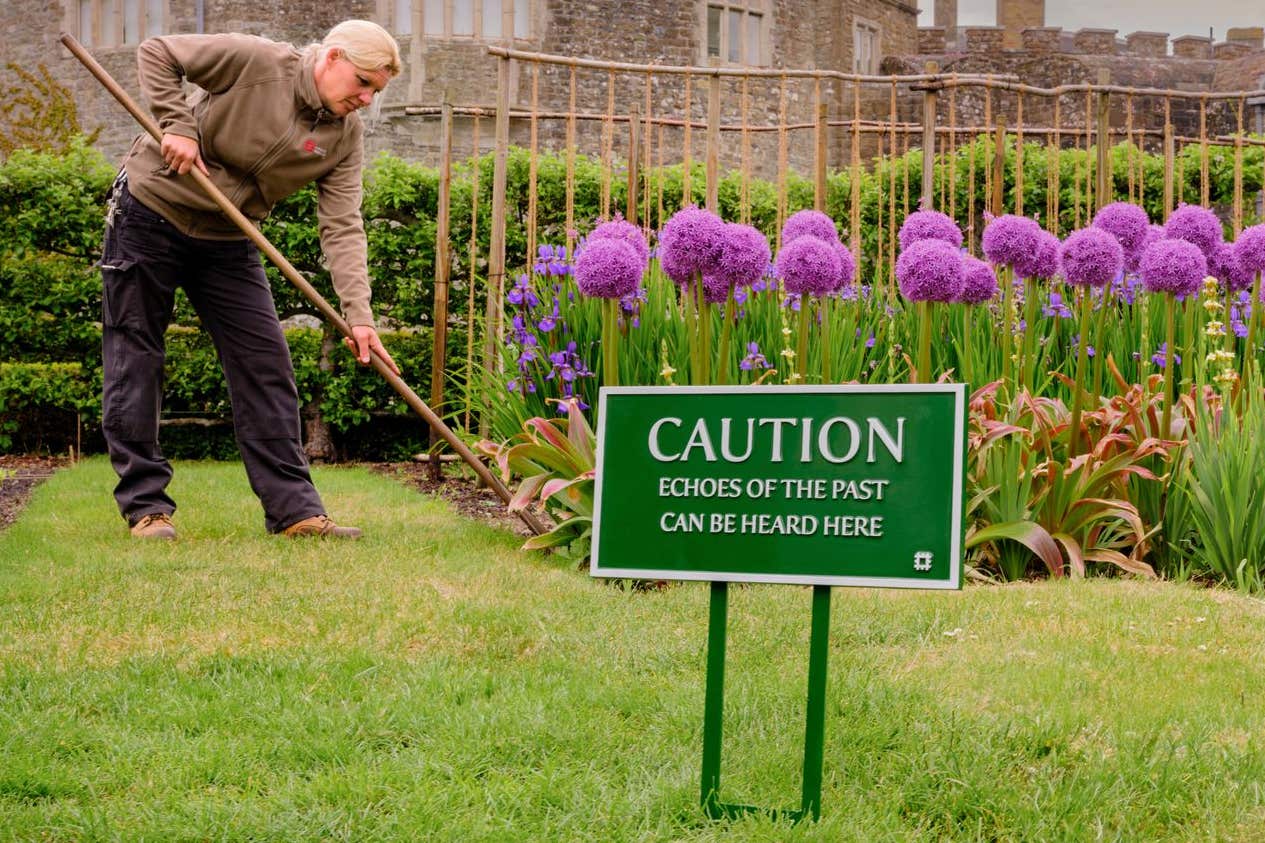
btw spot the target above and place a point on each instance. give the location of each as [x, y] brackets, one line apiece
[638, 118]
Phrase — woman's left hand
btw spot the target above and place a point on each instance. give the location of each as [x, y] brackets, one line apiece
[366, 341]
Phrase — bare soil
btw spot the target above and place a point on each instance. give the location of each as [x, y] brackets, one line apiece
[465, 496]
[20, 474]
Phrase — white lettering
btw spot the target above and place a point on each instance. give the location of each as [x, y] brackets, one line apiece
[823, 439]
[655, 450]
[725, 451]
[777, 436]
[699, 438]
[895, 447]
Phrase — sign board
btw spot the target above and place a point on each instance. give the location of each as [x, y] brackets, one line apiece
[818, 485]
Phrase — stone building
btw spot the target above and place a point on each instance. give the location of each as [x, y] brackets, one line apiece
[1022, 46]
[444, 44]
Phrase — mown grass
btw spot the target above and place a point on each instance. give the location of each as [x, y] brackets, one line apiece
[433, 682]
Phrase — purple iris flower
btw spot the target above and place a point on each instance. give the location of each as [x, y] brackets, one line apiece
[1158, 358]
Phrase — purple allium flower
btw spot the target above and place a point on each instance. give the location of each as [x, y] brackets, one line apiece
[930, 270]
[809, 265]
[979, 282]
[1250, 248]
[608, 269]
[744, 255]
[621, 229]
[715, 289]
[1091, 257]
[690, 243]
[929, 225]
[1224, 264]
[1196, 224]
[810, 223]
[1126, 222]
[1043, 262]
[847, 268]
[1173, 266]
[1010, 239]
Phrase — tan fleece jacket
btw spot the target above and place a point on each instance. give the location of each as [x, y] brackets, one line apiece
[264, 134]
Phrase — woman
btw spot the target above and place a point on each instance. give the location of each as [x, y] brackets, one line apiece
[266, 120]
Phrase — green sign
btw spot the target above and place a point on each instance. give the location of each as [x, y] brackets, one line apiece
[826, 485]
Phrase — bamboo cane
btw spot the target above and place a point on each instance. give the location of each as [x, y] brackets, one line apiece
[292, 275]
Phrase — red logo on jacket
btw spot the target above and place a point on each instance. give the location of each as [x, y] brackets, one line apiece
[310, 147]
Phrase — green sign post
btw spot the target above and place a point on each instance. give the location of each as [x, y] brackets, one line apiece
[823, 486]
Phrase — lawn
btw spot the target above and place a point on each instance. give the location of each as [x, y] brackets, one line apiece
[434, 682]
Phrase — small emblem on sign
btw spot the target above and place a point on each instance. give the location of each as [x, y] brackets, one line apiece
[922, 560]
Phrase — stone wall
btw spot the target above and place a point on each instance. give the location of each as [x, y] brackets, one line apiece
[801, 34]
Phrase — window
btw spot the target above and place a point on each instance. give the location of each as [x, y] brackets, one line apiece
[1258, 109]
[735, 31]
[457, 18]
[865, 46]
[116, 23]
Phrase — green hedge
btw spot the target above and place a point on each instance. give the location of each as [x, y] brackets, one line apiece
[50, 406]
[51, 208]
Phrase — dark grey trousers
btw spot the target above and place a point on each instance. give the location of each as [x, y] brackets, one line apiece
[144, 260]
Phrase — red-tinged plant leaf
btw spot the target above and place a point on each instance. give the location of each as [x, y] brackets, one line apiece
[1121, 383]
[1031, 535]
[1124, 563]
[560, 536]
[550, 430]
[574, 492]
[543, 456]
[526, 492]
[583, 442]
[996, 430]
[1075, 559]
[500, 453]
[1140, 471]
[1104, 508]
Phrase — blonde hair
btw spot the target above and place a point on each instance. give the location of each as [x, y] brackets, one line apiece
[366, 45]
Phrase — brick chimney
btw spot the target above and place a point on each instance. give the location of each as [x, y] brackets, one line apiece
[1014, 16]
[946, 18]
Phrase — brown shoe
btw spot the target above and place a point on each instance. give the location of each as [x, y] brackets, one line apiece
[156, 525]
[322, 527]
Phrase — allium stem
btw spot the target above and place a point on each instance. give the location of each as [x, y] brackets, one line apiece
[705, 351]
[610, 342]
[1028, 364]
[1100, 318]
[1249, 353]
[801, 345]
[1229, 326]
[1008, 327]
[923, 375]
[1191, 305]
[1171, 337]
[691, 296]
[1082, 358]
[726, 328]
[825, 309]
[966, 346]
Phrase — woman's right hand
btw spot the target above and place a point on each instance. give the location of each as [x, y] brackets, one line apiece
[182, 154]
